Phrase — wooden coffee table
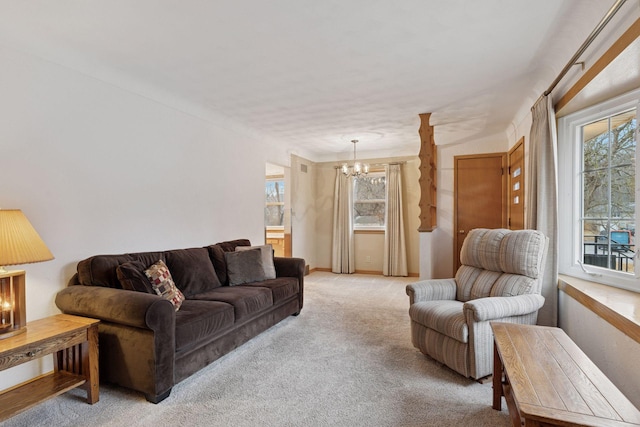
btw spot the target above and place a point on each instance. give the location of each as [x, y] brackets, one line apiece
[72, 340]
[548, 381]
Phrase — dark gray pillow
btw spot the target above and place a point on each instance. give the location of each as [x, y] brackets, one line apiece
[267, 259]
[244, 266]
[131, 276]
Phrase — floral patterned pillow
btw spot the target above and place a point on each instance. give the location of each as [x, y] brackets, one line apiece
[162, 283]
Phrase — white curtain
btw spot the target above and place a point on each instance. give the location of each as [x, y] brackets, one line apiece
[395, 253]
[542, 199]
[343, 254]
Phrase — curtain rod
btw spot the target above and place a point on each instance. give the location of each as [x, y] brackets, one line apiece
[388, 164]
[379, 164]
[605, 20]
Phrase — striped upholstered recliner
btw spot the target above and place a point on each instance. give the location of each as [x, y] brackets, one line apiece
[499, 280]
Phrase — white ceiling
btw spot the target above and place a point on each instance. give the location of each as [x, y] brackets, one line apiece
[315, 74]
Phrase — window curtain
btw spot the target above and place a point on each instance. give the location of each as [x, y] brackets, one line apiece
[542, 199]
[395, 253]
[343, 254]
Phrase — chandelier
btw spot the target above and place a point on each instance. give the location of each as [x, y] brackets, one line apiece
[358, 168]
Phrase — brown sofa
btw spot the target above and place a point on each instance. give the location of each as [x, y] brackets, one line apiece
[145, 344]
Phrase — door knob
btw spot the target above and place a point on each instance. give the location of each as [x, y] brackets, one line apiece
[461, 231]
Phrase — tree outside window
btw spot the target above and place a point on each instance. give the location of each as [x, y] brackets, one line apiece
[369, 201]
[608, 191]
[274, 202]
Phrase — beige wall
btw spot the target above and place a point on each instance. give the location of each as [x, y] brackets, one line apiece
[367, 244]
[97, 169]
[303, 210]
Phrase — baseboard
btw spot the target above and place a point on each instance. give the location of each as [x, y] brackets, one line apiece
[328, 270]
[374, 272]
[377, 273]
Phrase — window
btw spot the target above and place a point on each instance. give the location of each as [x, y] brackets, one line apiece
[274, 201]
[369, 201]
[597, 184]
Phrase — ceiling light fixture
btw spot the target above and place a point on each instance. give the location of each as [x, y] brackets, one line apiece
[358, 168]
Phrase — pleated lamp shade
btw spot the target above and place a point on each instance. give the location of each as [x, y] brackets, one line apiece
[19, 241]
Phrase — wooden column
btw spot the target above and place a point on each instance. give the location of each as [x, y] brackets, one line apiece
[428, 167]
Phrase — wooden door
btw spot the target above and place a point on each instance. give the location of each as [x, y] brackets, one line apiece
[515, 186]
[479, 195]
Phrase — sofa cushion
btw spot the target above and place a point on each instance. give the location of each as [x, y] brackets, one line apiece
[246, 300]
[281, 288]
[192, 270]
[267, 259]
[132, 278]
[198, 321]
[163, 283]
[446, 317]
[147, 258]
[244, 266]
[231, 245]
[100, 270]
[216, 255]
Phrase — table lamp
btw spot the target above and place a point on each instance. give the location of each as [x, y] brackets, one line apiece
[19, 244]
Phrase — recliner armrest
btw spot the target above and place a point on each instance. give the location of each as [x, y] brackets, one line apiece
[494, 308]
[432, 290]
[129, 308]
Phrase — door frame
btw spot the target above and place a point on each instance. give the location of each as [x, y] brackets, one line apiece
[510, 190]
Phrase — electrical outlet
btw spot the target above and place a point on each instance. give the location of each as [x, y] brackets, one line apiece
[368, 258]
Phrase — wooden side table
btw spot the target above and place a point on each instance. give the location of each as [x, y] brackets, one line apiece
[72, 340]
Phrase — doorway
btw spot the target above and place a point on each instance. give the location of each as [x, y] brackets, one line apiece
[277, 210]
[480, 185]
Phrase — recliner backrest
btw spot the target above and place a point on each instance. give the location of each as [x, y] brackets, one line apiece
[501, 262]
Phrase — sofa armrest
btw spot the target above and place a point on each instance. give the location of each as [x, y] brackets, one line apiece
[289, 267]
[120, 306]
[137, 335]
[292, 267]
[432, 290]
[494, 308]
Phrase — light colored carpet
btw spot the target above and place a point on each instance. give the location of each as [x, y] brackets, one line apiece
[346, 360]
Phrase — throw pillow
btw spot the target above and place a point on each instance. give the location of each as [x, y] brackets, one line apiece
[132, 278]
[244, 266]
[267, 259]
[192, 270]
[162, 283]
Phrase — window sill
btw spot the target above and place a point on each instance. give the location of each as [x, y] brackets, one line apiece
[619, 307]
[368, 231]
